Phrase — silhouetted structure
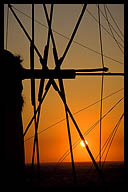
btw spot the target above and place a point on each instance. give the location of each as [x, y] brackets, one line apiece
[13, 129]
[13, 101]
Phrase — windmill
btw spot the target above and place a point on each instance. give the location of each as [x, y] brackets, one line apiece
[57, 73]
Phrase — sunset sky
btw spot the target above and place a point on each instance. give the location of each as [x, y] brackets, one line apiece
[81, 92]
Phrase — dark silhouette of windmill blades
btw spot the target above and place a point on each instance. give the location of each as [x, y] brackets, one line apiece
[58, 73]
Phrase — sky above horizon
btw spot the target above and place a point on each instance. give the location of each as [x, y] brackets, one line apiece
[81, 92]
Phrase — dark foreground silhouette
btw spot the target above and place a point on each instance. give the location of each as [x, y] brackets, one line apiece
[13, 156]
[15, 174]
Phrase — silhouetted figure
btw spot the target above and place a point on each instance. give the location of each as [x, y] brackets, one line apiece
[13, 129]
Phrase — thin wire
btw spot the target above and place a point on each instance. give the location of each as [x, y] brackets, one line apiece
[111, 30]
[64, 36]
[107, 141]
[112, 138]
[87, 132]
[61, 33]
[102, 83]
[7, 28]
[85, 108]
[114, 21]
[101, 109]
[103, 25]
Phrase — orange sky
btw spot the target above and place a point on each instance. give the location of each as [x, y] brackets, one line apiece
[80, 92]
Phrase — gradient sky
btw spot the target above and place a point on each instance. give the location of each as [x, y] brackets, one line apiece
[80, 92]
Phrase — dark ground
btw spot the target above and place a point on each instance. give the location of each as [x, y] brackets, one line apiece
[60, 179]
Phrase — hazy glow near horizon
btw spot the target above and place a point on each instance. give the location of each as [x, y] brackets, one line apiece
[81, 92]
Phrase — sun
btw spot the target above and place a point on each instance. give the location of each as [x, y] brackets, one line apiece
[83, 144]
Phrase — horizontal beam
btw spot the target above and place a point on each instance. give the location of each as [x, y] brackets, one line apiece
[63, 74]
[105, 69]
[47, 74]
[55, 74]
[99, 74]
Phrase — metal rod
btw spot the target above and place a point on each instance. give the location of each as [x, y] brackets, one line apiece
[102, 85]
[32, 67]
[99, 74]
[105, 69]
[101, 109]
[47, 74]
[35, 145]
[93, 160]
[74, 32]
[68, 128]
[45, 59]
[63, 74]
[49, 25]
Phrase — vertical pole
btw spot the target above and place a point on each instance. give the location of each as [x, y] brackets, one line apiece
[69, 133]
[1, 26]
[32, 60]
[32, 80]
[125, 98]
[35, 145]
[102, 86]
